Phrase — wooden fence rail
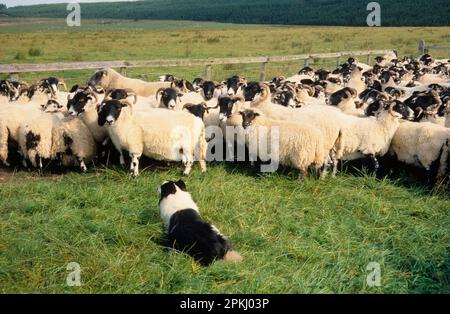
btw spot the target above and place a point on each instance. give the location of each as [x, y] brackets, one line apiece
[424, 48]
[14, 69]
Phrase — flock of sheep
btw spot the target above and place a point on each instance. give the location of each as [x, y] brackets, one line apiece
[398, 108]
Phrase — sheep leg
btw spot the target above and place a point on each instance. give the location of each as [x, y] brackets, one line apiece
[375, 163]
[302, 174]
[187, 162]
[134, 167]
[122, 159]
[203, 166]
[325, 168]
[429, 176]
[333, 163]
[105, 142]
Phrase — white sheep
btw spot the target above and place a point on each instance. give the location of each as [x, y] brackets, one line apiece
[356, 80]
[11, 117]
[325, 118]
[53, 136]
[300, 147]
[110, 79]
[422, 144]
[371, 136]
[157, 133]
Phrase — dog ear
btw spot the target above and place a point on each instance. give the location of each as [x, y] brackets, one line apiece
[181, 185]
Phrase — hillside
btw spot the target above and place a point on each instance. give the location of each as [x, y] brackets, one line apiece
[294, 12]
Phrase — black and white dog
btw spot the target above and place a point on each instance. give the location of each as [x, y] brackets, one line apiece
[186, 229]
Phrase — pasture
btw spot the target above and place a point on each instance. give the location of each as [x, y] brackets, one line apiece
[315, 236]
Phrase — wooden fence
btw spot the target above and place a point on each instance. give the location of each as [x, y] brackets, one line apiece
[15, 69]
[423, 48]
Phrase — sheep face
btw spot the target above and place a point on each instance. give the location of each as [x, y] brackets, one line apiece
[248, 116]
[52, 106]
[322, 74]
[109, 112]
[306, 71]
[197, 83]
[341, 95]
[167, 78]
[168, 97]
[99, 79]
[197, 110]
[78, 104]
[208, 89]
[233, 84]
[400, 110]
[251, 90]
[285, 98]
[226, 106]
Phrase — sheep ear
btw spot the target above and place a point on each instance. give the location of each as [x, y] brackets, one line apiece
[74, 88]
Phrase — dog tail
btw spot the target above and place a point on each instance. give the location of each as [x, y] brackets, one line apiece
[232, 256]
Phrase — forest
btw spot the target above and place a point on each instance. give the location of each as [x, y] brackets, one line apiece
[283, 12]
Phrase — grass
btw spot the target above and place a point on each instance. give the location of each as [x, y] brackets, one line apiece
[108, 40]
[312, 237]
[316, 236]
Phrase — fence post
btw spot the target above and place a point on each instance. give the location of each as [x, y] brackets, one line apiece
[262, 75]
[338, 61]
[306, 64]
[369, 58]
[123, 71]
[421, 47]
[208, 72]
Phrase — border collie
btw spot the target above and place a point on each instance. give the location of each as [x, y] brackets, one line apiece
[187, 231]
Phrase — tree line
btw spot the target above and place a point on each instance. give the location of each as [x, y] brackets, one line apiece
[293, 12]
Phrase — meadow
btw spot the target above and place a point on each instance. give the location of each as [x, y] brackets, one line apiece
[316, 236]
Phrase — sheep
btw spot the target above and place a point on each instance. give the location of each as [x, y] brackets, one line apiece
[210, 90]
[36, 139]
[300, 147]
[356, 80]
[233, 85]
[53, 136]
[348, 104]
[371, 136]
[424, 78]
[327, 119]
[85, 103]
[11, 117]
[13, 89]
[50, 85]
[447, 117]
[183, 85]
[110, 79]
[421, 145]
[119, 94]
[197, 110]
[157, 133]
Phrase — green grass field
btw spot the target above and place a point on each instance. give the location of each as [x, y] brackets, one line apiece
[45, 41]
[312, 237]
[316, 236]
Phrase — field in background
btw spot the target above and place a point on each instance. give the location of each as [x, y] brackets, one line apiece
[315, 236]
[39, 41]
